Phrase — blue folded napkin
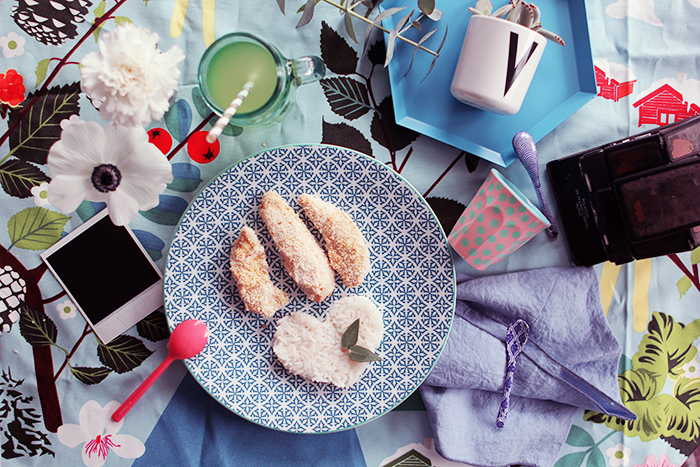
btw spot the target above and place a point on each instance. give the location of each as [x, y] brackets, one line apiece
[569, 361]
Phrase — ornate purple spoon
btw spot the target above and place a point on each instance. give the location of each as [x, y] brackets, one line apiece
[526, 150]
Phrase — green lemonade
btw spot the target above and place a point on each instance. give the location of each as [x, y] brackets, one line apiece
[236, 64]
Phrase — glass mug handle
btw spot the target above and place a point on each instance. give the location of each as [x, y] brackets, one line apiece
[307, 69]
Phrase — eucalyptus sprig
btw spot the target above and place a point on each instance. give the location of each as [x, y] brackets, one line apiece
[356, 352]
[347, 8]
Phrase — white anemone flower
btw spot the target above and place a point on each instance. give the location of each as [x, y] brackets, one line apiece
[112, 164]
[130, 80]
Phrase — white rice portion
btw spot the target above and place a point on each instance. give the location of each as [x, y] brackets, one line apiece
[312, 349]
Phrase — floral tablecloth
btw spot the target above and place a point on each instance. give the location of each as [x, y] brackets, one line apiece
[59, 384]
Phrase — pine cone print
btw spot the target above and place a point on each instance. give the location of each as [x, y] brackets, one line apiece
[12, 291]
[50, 22]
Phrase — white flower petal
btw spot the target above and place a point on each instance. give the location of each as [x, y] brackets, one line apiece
[66, 192]
[93, 459]
[128, 447]
[92, 419]
[71, 435]
[123, 142]
[122, 207]
[111, 427]
[131, 77]
[79, 150]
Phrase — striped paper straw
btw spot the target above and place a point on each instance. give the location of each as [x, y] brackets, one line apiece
[221, 123]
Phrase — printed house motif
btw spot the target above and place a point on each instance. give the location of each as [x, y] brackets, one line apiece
[412, 458]
[610, 88]
[665, 105]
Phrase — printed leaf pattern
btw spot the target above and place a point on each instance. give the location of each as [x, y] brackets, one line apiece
[20, 422]
[40, 127]
[36, 228]
[123, 353]
[187, 178]
[384, 123]
[90, 376]
[154, 327]
[17, 177]
[342, 134]
[178, 119]
[663, 351]
[168, 211]
[151, 243]
[41, 69]
[347, 97]
[336, 53]
[683, 420]
[665, 348]
[37, 328]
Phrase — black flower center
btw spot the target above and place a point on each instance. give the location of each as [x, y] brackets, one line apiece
[106, 178]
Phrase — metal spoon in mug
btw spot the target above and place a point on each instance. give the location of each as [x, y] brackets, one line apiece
[186, 341]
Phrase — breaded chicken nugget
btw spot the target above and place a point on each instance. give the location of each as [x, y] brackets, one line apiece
[346, 247]
[302, 256]
[249, 269]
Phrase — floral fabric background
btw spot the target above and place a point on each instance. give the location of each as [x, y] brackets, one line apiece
[58, 383]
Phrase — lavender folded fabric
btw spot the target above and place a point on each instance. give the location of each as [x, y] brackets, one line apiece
[570, 361]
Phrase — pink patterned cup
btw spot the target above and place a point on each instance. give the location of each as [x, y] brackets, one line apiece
[498, 221]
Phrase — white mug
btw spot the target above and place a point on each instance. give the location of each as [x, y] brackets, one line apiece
[496, 65]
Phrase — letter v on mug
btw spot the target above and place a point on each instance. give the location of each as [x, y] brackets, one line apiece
[496, 65]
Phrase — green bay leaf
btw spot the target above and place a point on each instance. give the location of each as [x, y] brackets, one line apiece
[351, 335]
[36, 228]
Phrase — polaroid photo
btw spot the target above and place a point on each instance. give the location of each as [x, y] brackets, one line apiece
[107, 274]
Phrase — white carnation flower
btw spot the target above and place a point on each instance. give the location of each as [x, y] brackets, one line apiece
[113, 164]
[130, 80]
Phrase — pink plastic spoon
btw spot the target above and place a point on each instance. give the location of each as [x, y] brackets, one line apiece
[186, 341]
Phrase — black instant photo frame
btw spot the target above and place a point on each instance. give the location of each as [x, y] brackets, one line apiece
[107, 274]
[634, 198]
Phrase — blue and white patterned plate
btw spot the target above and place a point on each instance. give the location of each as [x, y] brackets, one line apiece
[412, 281]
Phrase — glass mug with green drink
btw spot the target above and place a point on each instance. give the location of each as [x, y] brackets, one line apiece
[241, 58]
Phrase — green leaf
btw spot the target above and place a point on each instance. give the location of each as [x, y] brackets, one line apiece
[683, 285]
[89, 375]
[695, 256]
[666, 347]
[123, 353]
[40, 128]
[19, 177]
[36, 228]
[596, 459]
[351, 335]
[639, 390]
[683, 419]
[98, 12]
[122, 20]
[154, 327]
[360, 354]
[187, 178]
[579, 437]
[36, 328]
[168, 211]
[575, 459]
[41, 69]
